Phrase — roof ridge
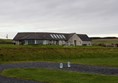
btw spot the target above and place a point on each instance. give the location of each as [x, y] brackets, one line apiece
[44, 33]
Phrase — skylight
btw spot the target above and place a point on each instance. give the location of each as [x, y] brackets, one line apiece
[58, 36]
[63, 36]
[52, 36]
[55, 36]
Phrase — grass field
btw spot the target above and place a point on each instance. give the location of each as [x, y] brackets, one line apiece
[58, 76]
[98, 56]
[82, 55]
[104, 41]
[5, 41]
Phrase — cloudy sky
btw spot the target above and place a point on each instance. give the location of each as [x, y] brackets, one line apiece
[92, 17]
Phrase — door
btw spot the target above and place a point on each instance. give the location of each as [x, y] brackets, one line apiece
[75, 42]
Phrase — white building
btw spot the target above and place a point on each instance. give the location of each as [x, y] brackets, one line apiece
[52, 39]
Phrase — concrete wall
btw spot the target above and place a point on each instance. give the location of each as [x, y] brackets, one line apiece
[75, 40]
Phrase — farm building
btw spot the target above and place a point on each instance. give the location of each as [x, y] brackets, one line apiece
[52, 39]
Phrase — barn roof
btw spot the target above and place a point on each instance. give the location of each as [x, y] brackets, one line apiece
[84, 37]
[48, 36]
[41, 36]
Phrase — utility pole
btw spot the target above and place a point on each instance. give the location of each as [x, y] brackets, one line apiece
[7, 36]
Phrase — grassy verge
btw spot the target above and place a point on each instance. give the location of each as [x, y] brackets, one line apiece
[58, 76]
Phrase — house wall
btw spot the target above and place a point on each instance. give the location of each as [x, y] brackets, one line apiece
[62, 42]
[26, 42]
[56, 42]
[75, 40]
[52, 42]
[86, 43]
[45, 42]
[17, 42]
[20, 42]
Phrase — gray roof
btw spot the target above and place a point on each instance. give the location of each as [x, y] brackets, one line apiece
[47, 36]
[40, 36]
[84, 37]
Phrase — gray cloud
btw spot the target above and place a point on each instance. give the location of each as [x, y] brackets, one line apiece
[93, 17]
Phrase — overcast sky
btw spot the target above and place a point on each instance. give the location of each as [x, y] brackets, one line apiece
[92, 17]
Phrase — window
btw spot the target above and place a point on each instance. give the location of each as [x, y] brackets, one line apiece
[31, 41]
[39, 41]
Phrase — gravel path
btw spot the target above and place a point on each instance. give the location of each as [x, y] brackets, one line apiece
[74, 67]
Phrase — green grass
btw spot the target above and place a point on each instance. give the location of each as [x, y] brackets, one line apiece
[58, 76]
[81, 55]
[104, 41]
[107, 61]
[5, 41]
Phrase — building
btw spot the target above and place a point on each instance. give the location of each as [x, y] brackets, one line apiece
[42, 38]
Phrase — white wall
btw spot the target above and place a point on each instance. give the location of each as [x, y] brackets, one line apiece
[45, 42]
[78, 40]
[26, 42]
[62, 42]
[88, 43]
[17, 42]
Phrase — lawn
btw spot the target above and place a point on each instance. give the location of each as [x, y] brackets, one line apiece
[58, 76]
[100, 56]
